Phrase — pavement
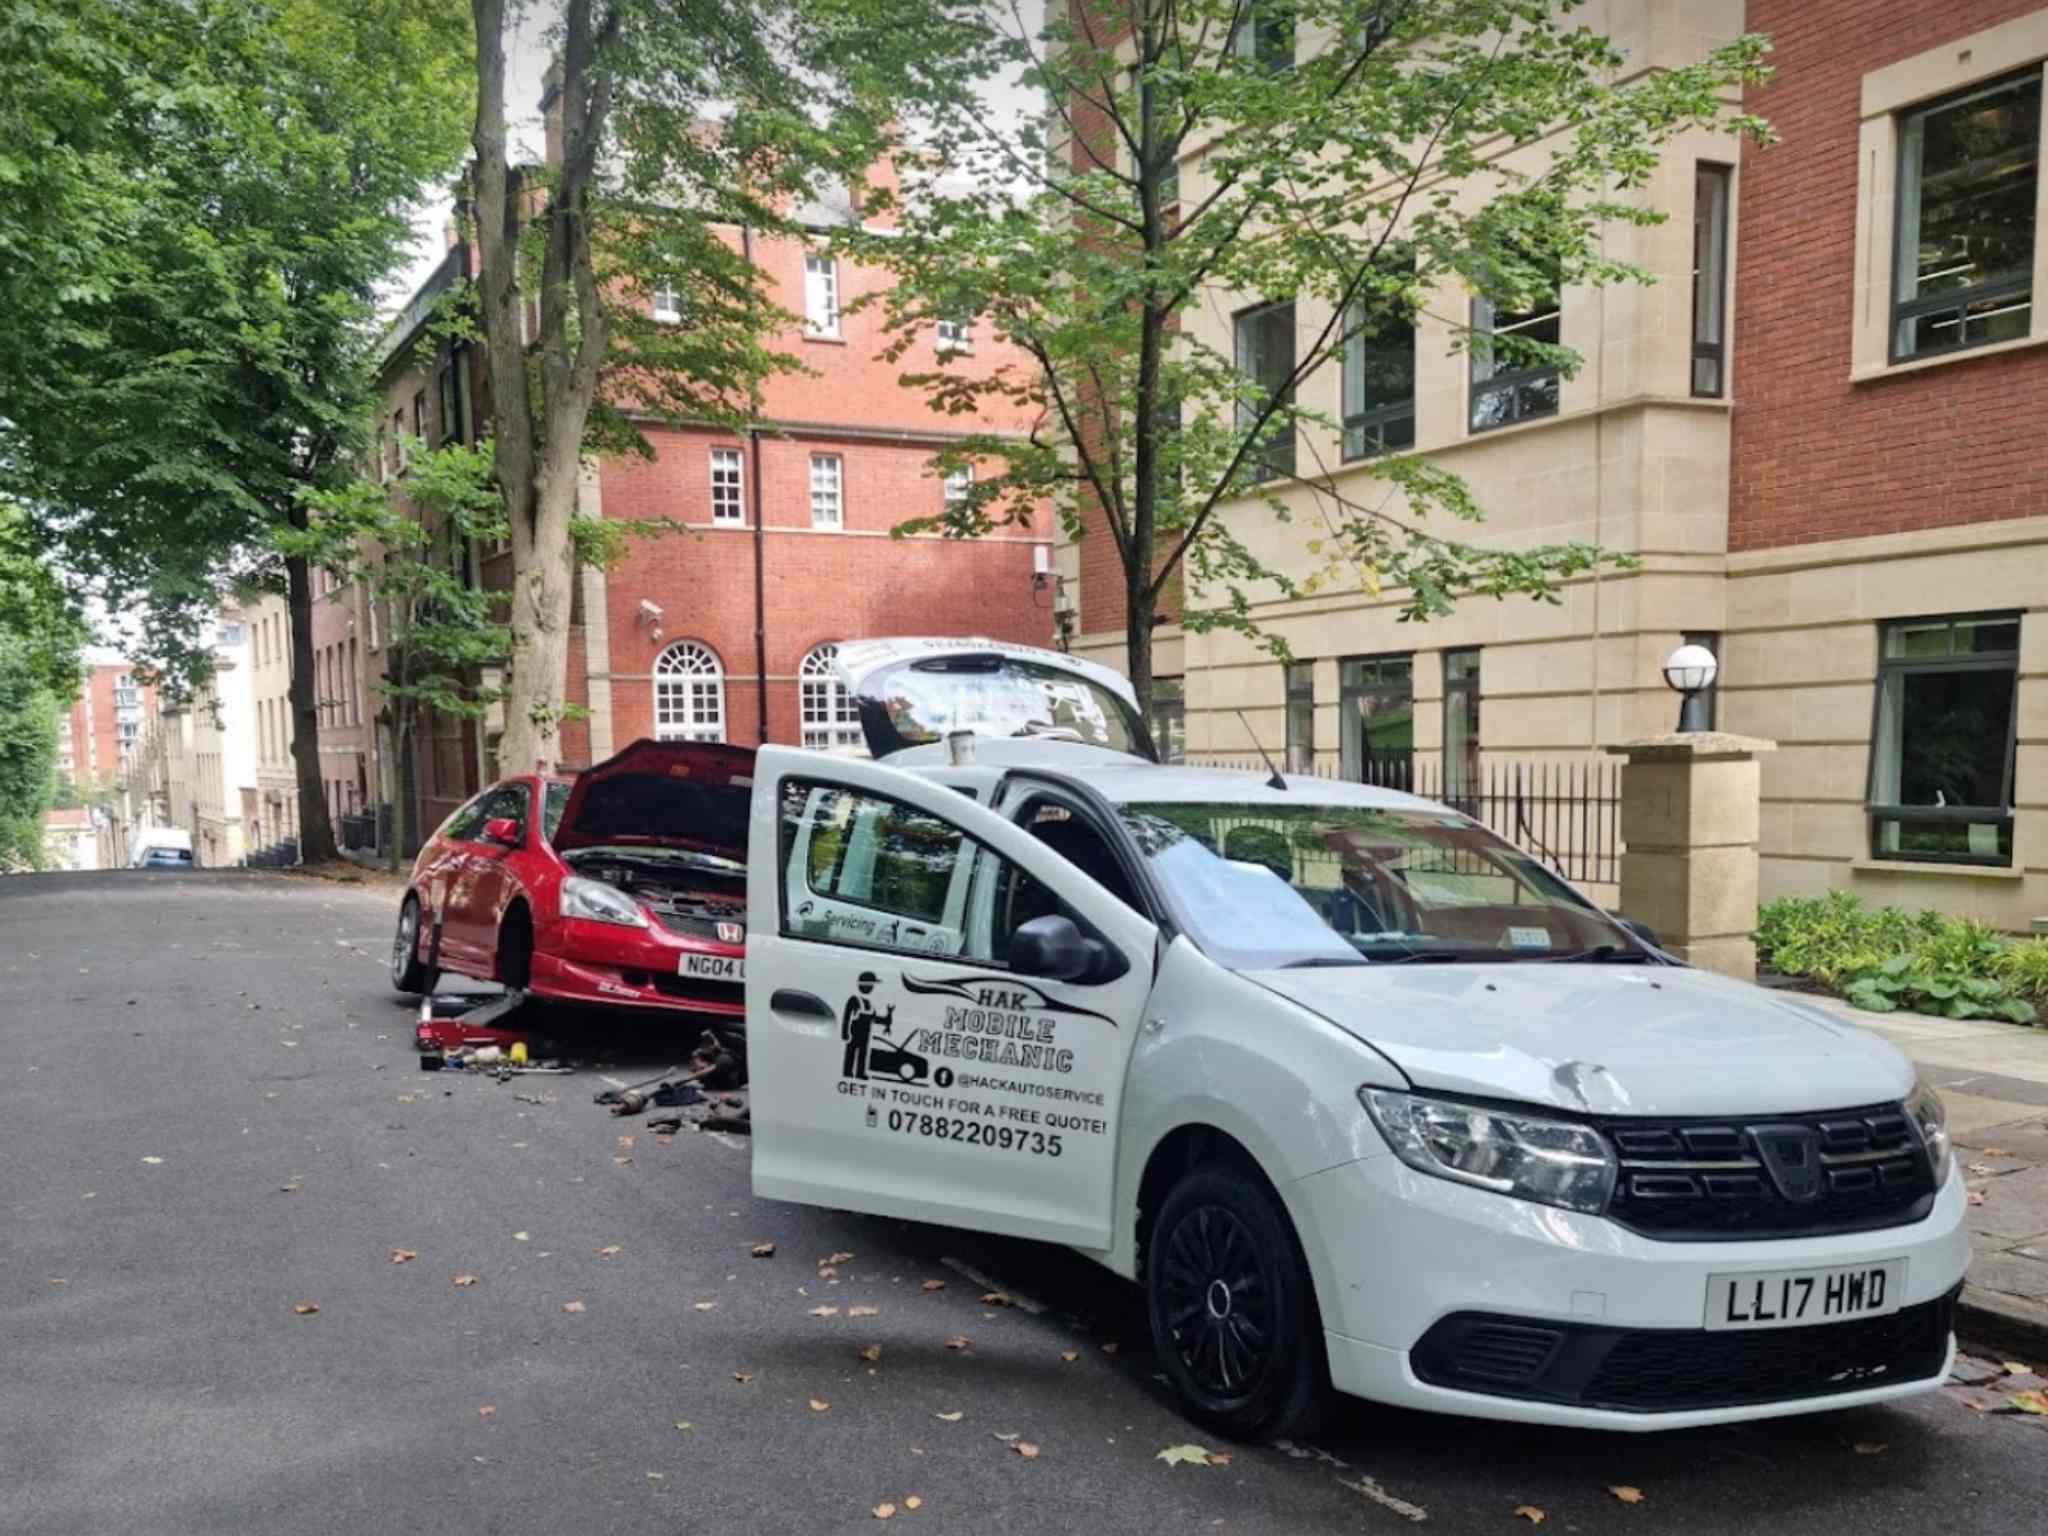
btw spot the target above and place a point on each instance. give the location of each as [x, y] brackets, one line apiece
[211, 1118]
[1993, 1078]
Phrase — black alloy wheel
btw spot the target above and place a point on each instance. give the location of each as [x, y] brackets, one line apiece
[1234, 1318]
[408, 972]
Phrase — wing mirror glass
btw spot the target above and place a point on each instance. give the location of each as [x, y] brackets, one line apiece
[1052, 947]
[502, 829]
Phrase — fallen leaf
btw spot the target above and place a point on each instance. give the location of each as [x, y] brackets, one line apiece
[1626, 1494]
[2029, 1402]
[520, 1237]
[1995, 1152]
[305, 1308]
[402, 1255]
[1530, 1513]
[610, 1251]
[704, 1306]
[863, 1311]
[60, 1282]
[685, 1425]
[622, 1161]
[995, 1299]
[572, 1306]
[152, 1159]
[1070, 1355]
[1026, 1449]
[913, 1502]
[954, 1417]
[465, 1279]
[1110, 1348]
[657, 1477]
[871, 1353]
[286, 1189]
[489, 1410]
[1007, 1436]
[2014, 1368]
[743, 1377]
[1218, 1459]
[1976, 1197]
[933, 1285]
[827, 1272]
[1980, 1169]
[763, 1250]
[959, 1341]
[819, 1405]
[1189, 1455]
[885, 1511]
[824, 1311]
[625, 1141]
[837, 1258]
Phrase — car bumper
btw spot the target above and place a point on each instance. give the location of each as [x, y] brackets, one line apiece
[606, 965]
[1398, 1253]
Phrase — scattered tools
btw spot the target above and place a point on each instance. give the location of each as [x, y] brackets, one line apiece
[614, 1095]
[632, 1100]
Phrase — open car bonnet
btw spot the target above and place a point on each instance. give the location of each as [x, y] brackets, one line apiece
[913, 691]
[1603, 1039]
[691, 795]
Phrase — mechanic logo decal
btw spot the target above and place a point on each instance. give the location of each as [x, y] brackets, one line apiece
[989, 1022]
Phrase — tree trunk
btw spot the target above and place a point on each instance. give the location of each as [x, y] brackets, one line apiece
[316, 832]
[535, 684]
[1138, 641]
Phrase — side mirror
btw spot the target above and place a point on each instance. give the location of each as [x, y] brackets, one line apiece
[1051, 947]
[502, 829]
[1642, 931]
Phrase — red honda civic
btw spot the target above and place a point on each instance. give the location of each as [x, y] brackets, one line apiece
[626, 887]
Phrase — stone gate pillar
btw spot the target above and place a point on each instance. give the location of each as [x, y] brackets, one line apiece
[1689, 819]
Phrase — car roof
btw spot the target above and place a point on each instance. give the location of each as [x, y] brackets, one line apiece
[1133, 783]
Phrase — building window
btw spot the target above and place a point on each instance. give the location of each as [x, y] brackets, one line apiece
[728, 485]
[1941, 756]
[1509, 384]
[689, 694]
[1170, 718]
[1710, 696]
[1379, 380]
[956, 333]
[453, 415]
[1376, 708]
[401, 450]
[1461, 724]
[1963, 268]
[667, 302]
[821, 294]
[1301, 717]
[828, 505]
[1265, 37]
[419, 414]
[1265, 355]
[1709, 279]
[829, 716]
[959, 487]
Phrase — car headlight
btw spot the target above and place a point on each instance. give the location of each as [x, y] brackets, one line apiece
[1925, 1106]
[600, 903]
[1555, 1162]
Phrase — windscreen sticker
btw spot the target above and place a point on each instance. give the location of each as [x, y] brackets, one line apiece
[1529, 938]
[906, 1070]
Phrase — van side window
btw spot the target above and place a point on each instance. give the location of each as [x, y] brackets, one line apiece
[865, 869]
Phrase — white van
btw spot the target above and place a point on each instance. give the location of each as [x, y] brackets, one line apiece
[1364, 1097]
[161, 848]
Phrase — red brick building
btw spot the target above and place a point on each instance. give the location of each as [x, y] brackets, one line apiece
[104, 724]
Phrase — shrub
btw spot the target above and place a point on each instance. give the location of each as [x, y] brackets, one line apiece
[1955, 967]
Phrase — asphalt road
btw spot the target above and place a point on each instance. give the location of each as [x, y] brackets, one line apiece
[210, 1114]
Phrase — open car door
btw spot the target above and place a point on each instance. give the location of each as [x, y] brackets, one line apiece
[940, 1009]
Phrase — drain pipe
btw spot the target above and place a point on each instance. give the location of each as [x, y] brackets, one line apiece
[760, 538]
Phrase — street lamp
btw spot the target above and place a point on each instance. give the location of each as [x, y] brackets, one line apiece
[1690, 672]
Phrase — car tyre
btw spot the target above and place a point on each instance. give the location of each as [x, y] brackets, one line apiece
[515, 949]
[408, 972]
[1234, 1318]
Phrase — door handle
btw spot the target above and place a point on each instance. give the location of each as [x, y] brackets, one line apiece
[789, 1000]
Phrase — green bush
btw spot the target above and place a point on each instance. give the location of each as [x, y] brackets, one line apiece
[1922, 961]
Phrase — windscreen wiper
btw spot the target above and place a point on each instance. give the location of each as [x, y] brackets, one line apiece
[1609, 954]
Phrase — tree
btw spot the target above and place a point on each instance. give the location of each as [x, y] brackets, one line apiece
[395, 539]
[227, 184]
[684, 128]
[41, 637]
[1368, 177]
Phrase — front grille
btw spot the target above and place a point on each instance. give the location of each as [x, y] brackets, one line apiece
[1668, 1369]
[693, 926]
[1848, 1170]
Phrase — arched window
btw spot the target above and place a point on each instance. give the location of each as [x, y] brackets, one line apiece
[689, 694]
[831, 721]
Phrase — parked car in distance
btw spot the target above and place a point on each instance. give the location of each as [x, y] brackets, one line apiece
[1362, 1095]
[624, 888]
[165, 858]
[161, 848]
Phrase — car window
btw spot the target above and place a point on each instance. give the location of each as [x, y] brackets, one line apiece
[465, 823]
[557, 801]
[865, 869]
[510, 802]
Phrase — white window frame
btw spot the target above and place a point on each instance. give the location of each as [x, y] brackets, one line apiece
[665, 302]
[828, 492]
[959, 486]
[821, 295]
[689, 693]
[956, 334]
[728, 510]
[827, 717]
